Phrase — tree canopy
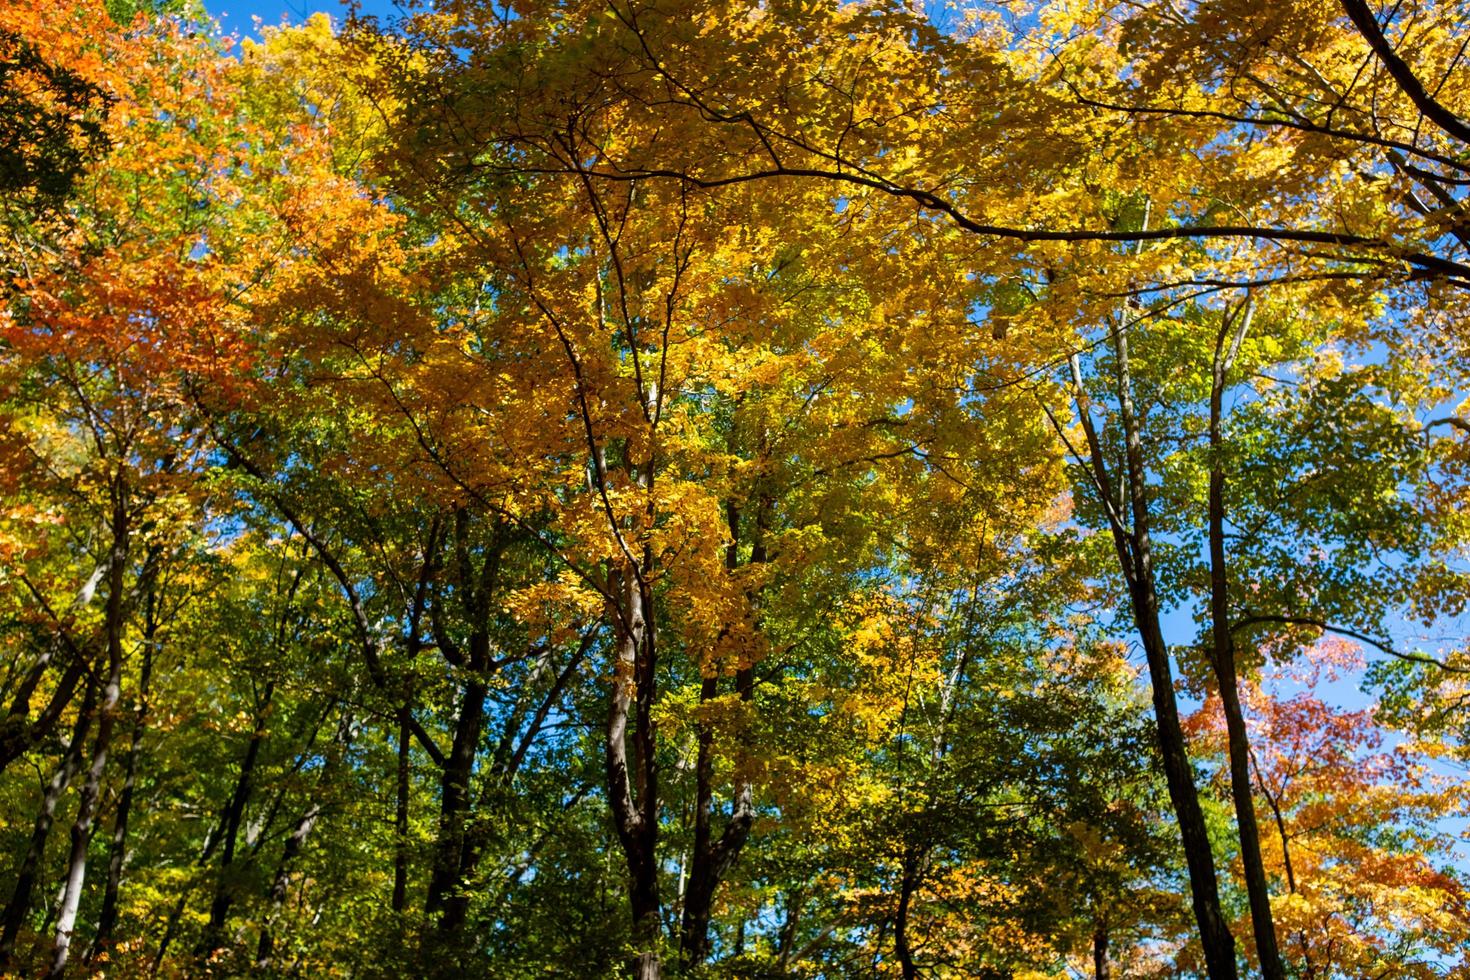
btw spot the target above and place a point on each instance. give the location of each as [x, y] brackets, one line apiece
[735, 489]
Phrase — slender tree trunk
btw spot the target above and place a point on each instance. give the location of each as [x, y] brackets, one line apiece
[170, 931]
[211, 844]
[30, 867]
[1219, 946]
[400, 818]
[913, 869]
[1308, 966]
[428, 568]
[281, 882]
[699, 890]
[713, 857]
[1285, 842]
[296, 841]
[234, 814]
[509, 753]
[648, 924]
[18, 735]
[1135, 556]
[1257, 890]
[16, 719]
[107, 918]
[446, 888]
[81, 831]
[786, 937]
[171, 926]
[453, 851]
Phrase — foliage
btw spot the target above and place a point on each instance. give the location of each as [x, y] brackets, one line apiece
[733, 489]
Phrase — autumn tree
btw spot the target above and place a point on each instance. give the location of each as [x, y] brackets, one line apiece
[1326, 776]
[929, 143]
[667, 489]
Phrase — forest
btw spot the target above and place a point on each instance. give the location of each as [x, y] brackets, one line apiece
[736, 489]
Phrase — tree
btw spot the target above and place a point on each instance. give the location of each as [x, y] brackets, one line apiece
[1337, 796]
[639, 70]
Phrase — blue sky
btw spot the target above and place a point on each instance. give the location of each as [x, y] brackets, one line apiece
[236, 15]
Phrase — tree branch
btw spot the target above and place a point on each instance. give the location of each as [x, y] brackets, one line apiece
[1417, 658]
[1408, 82]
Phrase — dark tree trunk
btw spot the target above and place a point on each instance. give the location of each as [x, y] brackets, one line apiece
[1309, 969]
[171, 925]
[1102, 968]
[913, 870]
[1219, 945]
[230, 820]
[296, 841]
[1134, 548]
[1263, 926]
[400, 818]
[30, 868]
[786, 937]
[281, 882]
[454, 853]
[512, 746]
[18, 735]
[446, 887]
[428, 569]
[713, 857]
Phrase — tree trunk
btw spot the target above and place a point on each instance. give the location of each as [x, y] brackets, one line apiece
[400, 818]
[1219, 945]
[428, 569]
[713, 857]
[281, 881]
[1135, 556]
[1263, 926]
[18, 735]
[30, 867]
[81, 831]
[1215, 935]
[234, 814]
[446, 887]
[453, 851]
[107, 918]
[171, 925]
[634, 798]
[786, 937]
[913, 864]
[1102, 968]
[698, 894]
[1308, 967]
